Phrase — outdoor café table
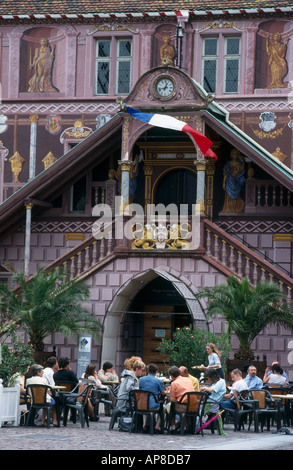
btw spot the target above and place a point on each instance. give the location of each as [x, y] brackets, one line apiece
[288, 403]
[57, 390]
[111, 382]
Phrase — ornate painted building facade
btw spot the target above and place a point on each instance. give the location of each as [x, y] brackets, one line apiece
[68, 145]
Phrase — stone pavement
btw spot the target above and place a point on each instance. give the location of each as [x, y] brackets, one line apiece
[98, 438]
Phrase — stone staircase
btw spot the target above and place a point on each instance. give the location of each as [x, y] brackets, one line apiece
[217, 247]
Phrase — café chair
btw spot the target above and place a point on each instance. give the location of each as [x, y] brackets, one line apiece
[192, 408]
[106, 397]
[140, 400]
[67, 387]
[266, 407]
[38, 401]
[286, 410]
[24, 399]
[78, 400]
[117, 413]
[244, 408]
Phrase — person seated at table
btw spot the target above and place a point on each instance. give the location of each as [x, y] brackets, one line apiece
[238, 385]
[38, 379]
[151, 383]
[179, 386]
[128, 365]
[49, 371]
[277, 377]
[107, 373]
[217, 389]
[64, 373]
[184, 372]
[92, 374]
[252, 380]
[269, 371]
[130, 382]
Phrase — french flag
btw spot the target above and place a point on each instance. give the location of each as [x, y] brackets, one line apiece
[169, 122]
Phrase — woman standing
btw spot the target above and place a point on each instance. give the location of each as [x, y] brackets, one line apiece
[214, 359]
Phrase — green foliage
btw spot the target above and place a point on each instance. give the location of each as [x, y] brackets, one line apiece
[188, 347]
[247, 309]
[48, 303]
[14, 360]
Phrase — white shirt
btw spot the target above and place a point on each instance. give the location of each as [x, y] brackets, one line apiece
[38, 380]
[48, 375]
[277, 379]
[239, 386]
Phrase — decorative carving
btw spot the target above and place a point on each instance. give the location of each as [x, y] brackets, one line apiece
[160, 237]
[167, 51]
[219, 25]
[53, 124]
[232, 183]
[42, 64]
[276, 50]
[279, 154]
[16, 165]
[3, 125]
[79, 131]
[48, 160]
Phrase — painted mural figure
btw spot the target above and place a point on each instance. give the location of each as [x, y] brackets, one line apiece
[167, 51]
[276, 50]
[42, 64]
[233, 182]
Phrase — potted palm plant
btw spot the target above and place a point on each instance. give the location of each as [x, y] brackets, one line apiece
[247, 310]
[48, 303]
[15, 357]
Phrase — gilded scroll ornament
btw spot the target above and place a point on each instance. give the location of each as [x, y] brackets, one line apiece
[160, 237]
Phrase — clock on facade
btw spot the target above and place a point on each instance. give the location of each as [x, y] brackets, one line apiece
[164, 87]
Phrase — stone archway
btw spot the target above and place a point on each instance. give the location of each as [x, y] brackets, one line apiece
[126, 294]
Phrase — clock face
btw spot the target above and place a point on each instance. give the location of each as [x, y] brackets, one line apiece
[165, 87]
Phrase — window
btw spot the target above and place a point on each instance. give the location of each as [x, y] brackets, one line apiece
[113, 66]
[232, 59]
[78, 195]
[210, 62]
[221, 63]
[103, 67]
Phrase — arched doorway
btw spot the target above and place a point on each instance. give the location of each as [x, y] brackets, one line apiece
[163, 310]
[124, 328]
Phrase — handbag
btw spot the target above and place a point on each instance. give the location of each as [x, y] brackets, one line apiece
[125, 423]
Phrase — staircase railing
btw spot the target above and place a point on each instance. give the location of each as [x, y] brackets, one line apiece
[238, 260]
[88, 254]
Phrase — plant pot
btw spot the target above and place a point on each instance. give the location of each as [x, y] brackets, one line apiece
[9, 403]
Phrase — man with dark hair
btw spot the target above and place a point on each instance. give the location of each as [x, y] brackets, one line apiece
[52, 367]
[107, 373]
[65, 373]
[151, 383]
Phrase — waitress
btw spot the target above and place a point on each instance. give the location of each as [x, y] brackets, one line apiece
[214, 359]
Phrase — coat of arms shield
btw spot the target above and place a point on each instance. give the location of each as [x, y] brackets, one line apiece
[268, 121]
